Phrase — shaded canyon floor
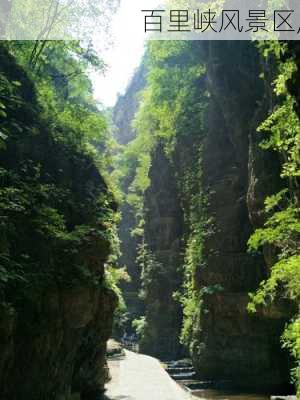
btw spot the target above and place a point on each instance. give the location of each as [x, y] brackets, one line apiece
[140, 377]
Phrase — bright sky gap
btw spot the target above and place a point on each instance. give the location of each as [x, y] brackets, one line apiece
[125, 54]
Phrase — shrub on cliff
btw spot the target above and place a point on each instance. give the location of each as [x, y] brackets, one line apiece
[282, 227]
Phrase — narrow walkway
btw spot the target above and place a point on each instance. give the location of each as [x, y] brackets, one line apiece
[140, 377]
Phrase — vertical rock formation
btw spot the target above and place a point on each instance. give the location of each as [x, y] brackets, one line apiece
[163, 275]
[229, 343]
[56, 311]
[126, 107]
[230, 179]
[123, 116]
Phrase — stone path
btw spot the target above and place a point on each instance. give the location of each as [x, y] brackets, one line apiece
[140, 377]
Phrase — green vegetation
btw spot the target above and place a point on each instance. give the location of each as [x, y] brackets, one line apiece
[196, 227]
[171, 107]
[55, 20]
[140, 326]
[171, 90]
[50, 126]
[281, 132]
[57, 213]
[171, 114]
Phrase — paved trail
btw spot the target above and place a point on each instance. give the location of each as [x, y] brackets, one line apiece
[140, 377]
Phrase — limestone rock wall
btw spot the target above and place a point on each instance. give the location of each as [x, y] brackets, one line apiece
[227, 342]
[55, 309]
[230, 343]
[163, 237]
[123, 116]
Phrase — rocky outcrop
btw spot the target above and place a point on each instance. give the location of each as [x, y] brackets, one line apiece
[56, 311]
[123, 116]
[162, 275]
[228, 342]
[126, 107]
[58, 350]
[218, 176]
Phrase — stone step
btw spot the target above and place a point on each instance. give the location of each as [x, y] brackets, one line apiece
[176, 370]
[205, 385]
[198, 385]
[186, 382]
[183, 376]
[179, 364]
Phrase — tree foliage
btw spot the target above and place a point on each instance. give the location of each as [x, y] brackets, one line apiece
[281, 132]
[52, 133]
[171, 107]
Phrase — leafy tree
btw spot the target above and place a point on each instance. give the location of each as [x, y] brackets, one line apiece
[30, 198]
[281, 132]
[56, 19]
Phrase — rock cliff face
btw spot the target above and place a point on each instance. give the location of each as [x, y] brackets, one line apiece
[227, 342]
[163, 277]
[61, 351]
[126, 107]
[123, 116]
[237, 175]
[56, 312]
